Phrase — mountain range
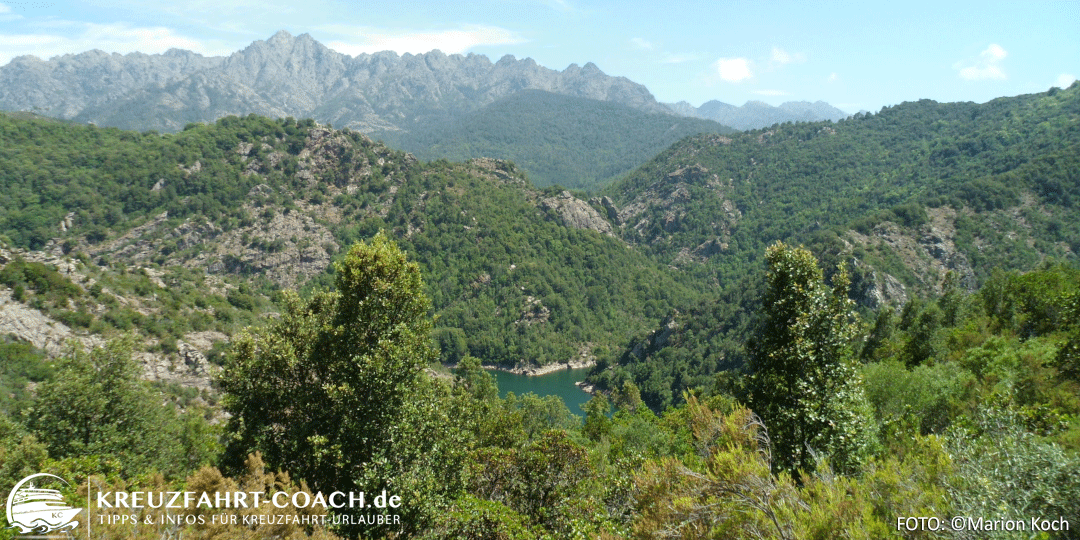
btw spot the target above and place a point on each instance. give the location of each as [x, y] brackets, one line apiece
[434, 105]
[297, 76]
[289, 75]
[758, 114]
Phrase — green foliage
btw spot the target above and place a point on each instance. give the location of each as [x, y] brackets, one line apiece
[538, 415]
[20, 363]
[1006, 472]
[728, 490]
[802, 378]
[797, 180]
[511, 285]
[97, 406]
[326, 390]
[1035, 303]
[597, 423]
[545, 481]
[477, 519]
[923, 400]
[44, 280]
[574, 142]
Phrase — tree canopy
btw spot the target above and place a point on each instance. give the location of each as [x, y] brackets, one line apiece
[320, 391]
[803, 380]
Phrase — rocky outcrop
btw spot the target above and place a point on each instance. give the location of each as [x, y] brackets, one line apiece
[576, 213]
[928, 251]
[874, 289]
[535, 312]
[657, 339]
[188, 368]
[666, 202]
[34, 327]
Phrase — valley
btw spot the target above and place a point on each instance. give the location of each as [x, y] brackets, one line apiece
[199, 281]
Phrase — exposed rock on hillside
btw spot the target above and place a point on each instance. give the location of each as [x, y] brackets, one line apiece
[576, 213]
[928, 251]
[187, 367]
[661, 208]
[874, 289]
[32, 326]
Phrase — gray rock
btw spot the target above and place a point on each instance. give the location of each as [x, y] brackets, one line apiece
[576, 213]
[289, 76]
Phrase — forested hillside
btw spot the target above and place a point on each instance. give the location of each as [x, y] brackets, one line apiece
[197, 309]
[901, 198]
[570, 141]
[517, 276]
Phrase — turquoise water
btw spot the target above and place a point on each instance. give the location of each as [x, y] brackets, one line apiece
[559, 383]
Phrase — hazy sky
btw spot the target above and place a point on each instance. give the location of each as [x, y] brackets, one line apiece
[856, 56]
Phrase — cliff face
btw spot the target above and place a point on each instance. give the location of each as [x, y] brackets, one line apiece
[288, 76]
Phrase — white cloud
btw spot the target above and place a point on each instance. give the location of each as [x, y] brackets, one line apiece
[770, 92]
[6, 15]
[1065, 80]
[780, 56]
[833, 77]
[733, 69]
[987, 66]
[642, 44]
[409, 41]
[76, 37]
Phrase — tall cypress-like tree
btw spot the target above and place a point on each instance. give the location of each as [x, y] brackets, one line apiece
[803, 381]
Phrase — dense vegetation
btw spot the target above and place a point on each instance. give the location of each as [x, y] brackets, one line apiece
[1001, 381]
[559, 140]
[876, 194]
[813, 181]
[775, 402]
[509, 282]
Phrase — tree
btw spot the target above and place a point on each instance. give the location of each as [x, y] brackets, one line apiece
[325, 391]
[97, 405]
[803, 382]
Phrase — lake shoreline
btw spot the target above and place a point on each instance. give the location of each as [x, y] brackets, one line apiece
[531, 371]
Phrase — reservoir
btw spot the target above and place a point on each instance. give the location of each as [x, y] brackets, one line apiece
[559, 383]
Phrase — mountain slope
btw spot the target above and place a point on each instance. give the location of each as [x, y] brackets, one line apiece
[714, 194]
[518, 276]
[756, 114]
[574, 142]
[289, 76]
[915, 199]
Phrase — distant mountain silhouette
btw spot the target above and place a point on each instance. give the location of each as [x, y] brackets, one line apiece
[756, 114]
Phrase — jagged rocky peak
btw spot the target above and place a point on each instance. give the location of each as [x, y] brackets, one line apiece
[288, 75]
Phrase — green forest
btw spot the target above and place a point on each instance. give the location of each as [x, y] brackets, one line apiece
[808, 331]
[574, 142]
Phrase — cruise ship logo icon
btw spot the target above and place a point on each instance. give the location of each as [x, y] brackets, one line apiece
[35, 509]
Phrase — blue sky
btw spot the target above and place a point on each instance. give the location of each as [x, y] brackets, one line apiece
[856, 55]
